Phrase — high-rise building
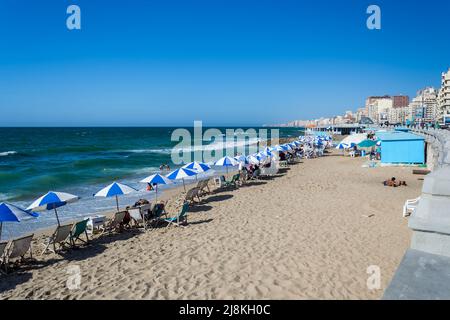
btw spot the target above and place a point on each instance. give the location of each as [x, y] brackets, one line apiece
[423, 108]
[378, 107]
[443, 99]
[400, 101]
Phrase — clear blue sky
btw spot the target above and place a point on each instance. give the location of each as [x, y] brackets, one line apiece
[225, 62]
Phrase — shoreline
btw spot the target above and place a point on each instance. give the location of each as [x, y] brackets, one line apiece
[300, 235]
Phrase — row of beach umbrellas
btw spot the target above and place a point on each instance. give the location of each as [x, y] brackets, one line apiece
[54, 200]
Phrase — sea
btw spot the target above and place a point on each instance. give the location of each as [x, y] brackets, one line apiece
[81, 161]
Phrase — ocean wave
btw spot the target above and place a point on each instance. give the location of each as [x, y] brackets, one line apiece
[219, 145]
[7, 153]
[164, 151]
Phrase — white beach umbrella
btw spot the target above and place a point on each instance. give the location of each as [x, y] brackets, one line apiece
[181, 173]
[12, 213]
[341, 146]
[253, 160]
[226, 162]
[115, 189]
[355, 138]
[197, 166]
[156, 179]
[277, 148]
[51, 201]
[266, 152]
[241, 158]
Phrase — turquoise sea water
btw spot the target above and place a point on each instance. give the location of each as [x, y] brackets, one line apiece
[81, 161]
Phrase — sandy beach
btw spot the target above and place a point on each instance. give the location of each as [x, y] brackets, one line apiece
[304, 234]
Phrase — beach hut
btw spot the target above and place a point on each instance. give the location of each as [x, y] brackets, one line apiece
[401, 147]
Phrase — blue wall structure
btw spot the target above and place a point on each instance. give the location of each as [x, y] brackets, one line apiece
[401, 147]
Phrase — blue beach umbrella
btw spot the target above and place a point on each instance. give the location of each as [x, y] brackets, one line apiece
[241, 158]
[115, 189]
[181, 173]
[253, 159]
[156, 179]
[342, 146]
[277, 148]
[267, 152]
[226, 162]
[198, 167]
[12, 213]
[51, 201]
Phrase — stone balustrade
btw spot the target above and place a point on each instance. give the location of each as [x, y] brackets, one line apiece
[424, 271]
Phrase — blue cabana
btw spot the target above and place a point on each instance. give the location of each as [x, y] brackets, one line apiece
[401, 147]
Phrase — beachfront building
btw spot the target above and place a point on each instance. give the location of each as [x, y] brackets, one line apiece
[443, 99]
[399, 111]
[378, 108]
[399, 147]
[423, 108]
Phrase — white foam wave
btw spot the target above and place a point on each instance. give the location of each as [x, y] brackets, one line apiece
[219, 145]
[7, 153]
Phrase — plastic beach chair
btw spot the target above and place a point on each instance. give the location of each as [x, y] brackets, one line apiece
[410, 206]
[180, 218]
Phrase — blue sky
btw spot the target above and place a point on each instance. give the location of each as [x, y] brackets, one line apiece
[224, 62]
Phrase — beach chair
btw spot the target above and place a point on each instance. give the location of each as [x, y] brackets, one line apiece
[219, 181]
[146, 209]
[203, 187]
[158, 213]
[191, 195]
[3, 250]
[234, 180]
[410, 206]
[283, 164]
[17, 251]
[77, 231]
[179, 218]
[137, 217]
[59, 237]
[116, 222]
[243, 177]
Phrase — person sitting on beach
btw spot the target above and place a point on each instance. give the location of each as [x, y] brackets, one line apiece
[282, 156]
[393, 183]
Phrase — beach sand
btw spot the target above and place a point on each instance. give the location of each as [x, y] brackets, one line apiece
[302, 235]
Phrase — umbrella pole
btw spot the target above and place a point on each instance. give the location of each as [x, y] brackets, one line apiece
[184, 186]
[156, 193]
[57, 218]
[117, 203]
[1, 227]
